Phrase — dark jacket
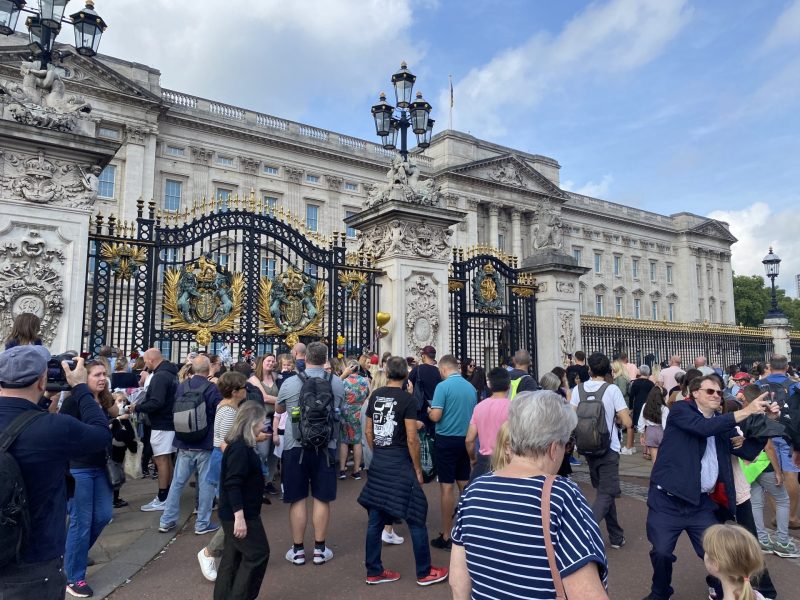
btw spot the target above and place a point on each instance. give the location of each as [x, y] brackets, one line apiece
[527, 384]
[241, 482]
[124, 380]
[160, 397]
[790, 414]
[43, 452]
[677, 469]
[212, 398]
[392, 486]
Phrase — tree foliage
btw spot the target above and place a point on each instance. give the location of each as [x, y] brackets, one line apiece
[752, 299]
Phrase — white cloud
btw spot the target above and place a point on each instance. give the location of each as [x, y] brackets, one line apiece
[595, 189]
[617, 36]
[786, 29]
[758, 228]
[279, 57]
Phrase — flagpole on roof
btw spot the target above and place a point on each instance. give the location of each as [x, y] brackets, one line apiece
[450, 124]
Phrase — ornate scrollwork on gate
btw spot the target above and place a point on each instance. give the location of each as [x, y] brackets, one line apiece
[124, 259]
[203, 299]
[354, 283]
[291, 305]
[488, 289]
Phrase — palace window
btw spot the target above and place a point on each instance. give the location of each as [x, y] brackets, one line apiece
[598, 305]
[654, 310]
[669, 273]
[223, 199]
[618, 306]
[172, 195]
[108, 132]
[617, 265]
[350, 186]
[312, 217]
[165, 347]
[653, 270]
[270, 170]
[577, 254]
[107, 182]
[225, 161]
[671, 311]
[312, 178]
[637, 308]
[270, 204]
[635, 268]
[175, 151]
[351, 232]
[268, 267]
[598, 262]
[501, 242]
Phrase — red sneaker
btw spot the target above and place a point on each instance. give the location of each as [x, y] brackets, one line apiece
[436, 575]
[386, 577]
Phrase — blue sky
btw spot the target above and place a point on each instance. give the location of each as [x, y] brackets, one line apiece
[669, 105]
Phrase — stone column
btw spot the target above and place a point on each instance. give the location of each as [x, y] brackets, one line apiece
[49, 185]
[472, 223]
[494, 230]
[516, 233]
[558, 311]
[778, 327]
[411, 244]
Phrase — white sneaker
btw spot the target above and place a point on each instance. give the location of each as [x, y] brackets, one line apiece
[627, 451]
[154, 505]
[322, 556]
[207, 565]
[296, 557]
[391, 538]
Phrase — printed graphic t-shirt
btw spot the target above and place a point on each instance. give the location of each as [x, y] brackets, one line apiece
[389, 408]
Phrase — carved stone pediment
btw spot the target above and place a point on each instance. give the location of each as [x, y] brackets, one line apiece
[715, 229]
[511, 171]
[400, 238]
[41, 180]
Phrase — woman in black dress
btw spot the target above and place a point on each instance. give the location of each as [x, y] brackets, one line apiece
[246, 553]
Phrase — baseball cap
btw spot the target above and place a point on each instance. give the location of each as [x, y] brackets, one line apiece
[429, 351]
[21, 366]
[741, 375]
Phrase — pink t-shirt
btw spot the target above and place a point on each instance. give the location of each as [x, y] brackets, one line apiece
[632, 370]
[667, 377]
[488, 416]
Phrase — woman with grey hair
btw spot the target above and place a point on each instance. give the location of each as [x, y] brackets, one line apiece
[246, 553]
[539, 425]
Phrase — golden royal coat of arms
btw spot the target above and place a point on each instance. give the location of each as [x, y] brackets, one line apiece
[202, 298]
[291, 304]
[487, 289]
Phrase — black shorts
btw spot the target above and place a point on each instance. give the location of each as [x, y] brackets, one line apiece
[317, 469]
[451, 458]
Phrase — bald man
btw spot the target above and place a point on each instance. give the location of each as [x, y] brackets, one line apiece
[157, 405]
[194, 443]
[299, 354]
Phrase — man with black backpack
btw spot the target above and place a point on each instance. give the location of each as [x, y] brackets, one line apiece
[35, 450]
[314, 400]
[193, 418]
[599, 405]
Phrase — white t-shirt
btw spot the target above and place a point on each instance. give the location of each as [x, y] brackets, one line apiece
[613, 402]
[647, 422]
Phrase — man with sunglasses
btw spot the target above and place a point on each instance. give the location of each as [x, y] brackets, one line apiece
[693, 476]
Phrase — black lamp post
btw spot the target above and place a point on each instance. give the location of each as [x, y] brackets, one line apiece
[389, 120]
[771, 264]
[44, 26]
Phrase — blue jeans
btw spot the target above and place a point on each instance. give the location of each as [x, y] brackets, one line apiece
[419, 541]
[187, 463]
[90, 511]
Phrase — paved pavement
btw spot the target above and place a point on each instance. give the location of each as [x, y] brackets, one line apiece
[143, 564]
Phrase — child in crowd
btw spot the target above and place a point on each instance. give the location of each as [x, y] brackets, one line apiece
[652, 421]
[733, 556]
[123, 438]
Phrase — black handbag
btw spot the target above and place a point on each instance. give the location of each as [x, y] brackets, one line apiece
[115, 473]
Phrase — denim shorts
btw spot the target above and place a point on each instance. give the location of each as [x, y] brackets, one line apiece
[302, 469]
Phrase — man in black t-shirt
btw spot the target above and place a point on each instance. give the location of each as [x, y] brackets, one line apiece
[425, 377]
[394, 485]
[579, 372]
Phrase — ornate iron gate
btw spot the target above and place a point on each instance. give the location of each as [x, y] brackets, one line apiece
[492, 309]
[233, 274]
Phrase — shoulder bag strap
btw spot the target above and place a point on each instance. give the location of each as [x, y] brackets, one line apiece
[17, 426]
[548, 542]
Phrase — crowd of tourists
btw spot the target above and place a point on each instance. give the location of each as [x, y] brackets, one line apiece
[499, 443]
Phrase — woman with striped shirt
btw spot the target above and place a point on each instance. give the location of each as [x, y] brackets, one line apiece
[498, 541]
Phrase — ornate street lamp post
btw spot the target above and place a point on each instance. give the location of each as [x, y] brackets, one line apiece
[771, 264]
[389, 120]
[44, 26]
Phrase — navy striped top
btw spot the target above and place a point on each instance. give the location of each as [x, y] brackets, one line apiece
[499, 523]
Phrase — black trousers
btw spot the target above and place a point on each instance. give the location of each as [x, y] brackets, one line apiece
[604, 473]
[37, 581]
[244, 562]
[744, 517]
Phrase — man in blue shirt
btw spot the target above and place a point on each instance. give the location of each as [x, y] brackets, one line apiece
[451, 410]
[43, 452]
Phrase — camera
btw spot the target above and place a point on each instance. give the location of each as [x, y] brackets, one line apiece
[56, 376]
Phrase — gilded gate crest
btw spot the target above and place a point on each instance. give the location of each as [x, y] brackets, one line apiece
[292, 305]
[202, 298]
[487, 292]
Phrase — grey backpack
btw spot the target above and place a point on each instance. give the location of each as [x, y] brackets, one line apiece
[189, 414]
[592, 436]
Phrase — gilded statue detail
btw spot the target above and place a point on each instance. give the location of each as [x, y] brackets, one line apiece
[291, 304]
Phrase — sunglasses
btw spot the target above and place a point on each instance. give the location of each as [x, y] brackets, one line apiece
[710, 392]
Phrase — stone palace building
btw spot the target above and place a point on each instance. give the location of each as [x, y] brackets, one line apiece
[178, 149]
